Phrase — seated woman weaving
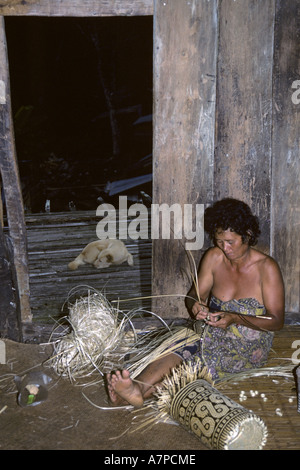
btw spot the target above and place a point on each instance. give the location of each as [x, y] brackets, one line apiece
[237, 285]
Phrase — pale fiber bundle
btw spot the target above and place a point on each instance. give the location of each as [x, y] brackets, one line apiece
[175, 339]
[103, 338]
[95, 333]
[283, 371]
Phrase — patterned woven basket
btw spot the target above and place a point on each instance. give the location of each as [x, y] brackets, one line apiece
[217, 420]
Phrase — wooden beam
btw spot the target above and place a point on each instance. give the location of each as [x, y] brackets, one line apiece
[9, 319]
[244, 106]
[92, 8]
[286, 143]
[185, 44]
[11, 185]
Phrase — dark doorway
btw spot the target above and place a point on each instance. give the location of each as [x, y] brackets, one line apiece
[81, 91]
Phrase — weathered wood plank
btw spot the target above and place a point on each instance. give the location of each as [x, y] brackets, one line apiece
[11, 185]
[244, 106]
[76, 7]
[9, 318]
[286, 144]
[185, 41]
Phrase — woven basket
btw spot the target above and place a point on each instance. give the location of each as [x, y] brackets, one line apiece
[217, 420]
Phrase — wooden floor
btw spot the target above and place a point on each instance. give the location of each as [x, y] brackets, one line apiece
[278, 406]
[67, 421]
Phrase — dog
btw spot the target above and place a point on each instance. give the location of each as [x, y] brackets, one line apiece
[102, 254]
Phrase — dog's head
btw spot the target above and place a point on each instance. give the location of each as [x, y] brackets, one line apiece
[104, 262]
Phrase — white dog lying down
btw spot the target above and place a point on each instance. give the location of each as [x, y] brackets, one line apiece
[103, 253]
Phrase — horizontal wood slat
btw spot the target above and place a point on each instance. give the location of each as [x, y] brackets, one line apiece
[76, 7]
[56, 239]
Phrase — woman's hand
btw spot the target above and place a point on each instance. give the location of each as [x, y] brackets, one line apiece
[219, 320]
[199, 311]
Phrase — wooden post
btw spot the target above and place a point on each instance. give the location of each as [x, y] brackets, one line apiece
[285, 216]
[244, 106]
[12, 188]
[185, 44]
[9, 319]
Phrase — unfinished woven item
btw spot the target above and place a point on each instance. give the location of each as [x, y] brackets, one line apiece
[102, 338]
[99, 339]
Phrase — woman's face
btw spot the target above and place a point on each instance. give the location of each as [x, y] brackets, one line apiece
[231, 244]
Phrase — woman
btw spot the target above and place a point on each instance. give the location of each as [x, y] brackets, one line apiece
[239, 284]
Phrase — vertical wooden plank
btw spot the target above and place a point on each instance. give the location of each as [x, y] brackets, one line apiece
[286, 145]
[11, 185]
[9, 319]
[244, 106]
[185, 40]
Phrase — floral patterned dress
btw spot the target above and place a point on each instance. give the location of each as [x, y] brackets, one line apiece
[238, 347]
[235, 349]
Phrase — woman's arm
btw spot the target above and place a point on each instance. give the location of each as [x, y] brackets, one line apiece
[199, 293]
[273, 293]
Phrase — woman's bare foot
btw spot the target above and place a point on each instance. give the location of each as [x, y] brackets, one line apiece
[122, 390]
[114, 398]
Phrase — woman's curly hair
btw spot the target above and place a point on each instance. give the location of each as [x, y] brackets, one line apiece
[232, 214]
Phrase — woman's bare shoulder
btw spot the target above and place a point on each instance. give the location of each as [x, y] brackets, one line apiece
[213, 255]
[267, 263]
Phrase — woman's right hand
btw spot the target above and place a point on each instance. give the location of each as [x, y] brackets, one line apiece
[199, 311]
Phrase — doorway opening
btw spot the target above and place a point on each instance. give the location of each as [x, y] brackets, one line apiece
[81, 92]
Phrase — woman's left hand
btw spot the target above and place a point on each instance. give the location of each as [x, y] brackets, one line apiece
[219, 320]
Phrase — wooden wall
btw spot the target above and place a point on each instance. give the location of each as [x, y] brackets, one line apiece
[285, 181]
[225, 125]
[185, 67]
